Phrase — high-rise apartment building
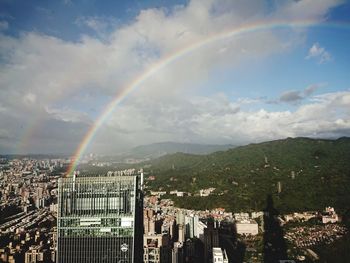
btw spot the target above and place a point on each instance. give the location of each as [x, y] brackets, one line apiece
[100, 219]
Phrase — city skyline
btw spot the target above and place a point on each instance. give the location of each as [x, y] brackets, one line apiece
[228, 73]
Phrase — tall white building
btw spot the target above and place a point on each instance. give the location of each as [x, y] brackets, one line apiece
[200, 226]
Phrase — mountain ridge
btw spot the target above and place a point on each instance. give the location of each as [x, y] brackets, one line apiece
[312, 173]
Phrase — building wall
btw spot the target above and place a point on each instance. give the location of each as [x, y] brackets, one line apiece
[97, 219]
[247, 228]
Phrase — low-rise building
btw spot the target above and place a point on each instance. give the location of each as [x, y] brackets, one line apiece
[37, 254]
[247, 227]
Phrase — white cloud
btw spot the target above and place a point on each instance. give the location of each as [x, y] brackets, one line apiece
[217, 120]
[68, 115]
[45, 72]
[305, 10]
[56, 69]
[319, 53]
[29, 98]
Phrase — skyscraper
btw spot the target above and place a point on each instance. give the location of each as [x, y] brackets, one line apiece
[100, 219]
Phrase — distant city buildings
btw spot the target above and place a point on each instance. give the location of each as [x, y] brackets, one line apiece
[206, 192]
[27, 224]
[304, 216]
[38, 254]
[103, 219]
[305, 237]
[329, 216]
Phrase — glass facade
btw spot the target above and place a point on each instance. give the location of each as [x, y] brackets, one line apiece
[99, 219]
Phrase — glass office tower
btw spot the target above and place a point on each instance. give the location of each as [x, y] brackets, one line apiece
[99, 219]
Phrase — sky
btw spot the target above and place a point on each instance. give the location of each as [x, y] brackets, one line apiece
[62, 62]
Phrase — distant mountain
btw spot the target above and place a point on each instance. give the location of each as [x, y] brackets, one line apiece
[301, 174]
[156, 150]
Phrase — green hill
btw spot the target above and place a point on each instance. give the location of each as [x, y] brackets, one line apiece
[312, 173]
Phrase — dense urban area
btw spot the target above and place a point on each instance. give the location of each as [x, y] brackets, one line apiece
[175, 131]
[28, 228]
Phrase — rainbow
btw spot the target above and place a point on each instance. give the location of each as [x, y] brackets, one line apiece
[171, 58]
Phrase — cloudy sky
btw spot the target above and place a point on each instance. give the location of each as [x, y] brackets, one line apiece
[62, 62]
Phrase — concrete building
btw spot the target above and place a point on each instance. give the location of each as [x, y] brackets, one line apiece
[189, 226]
[149, 221]
[39, 202]
[177, 254]
[156, 249]
[219, 255]
[181, 235]
[247, 227]
[200, 226]
[37, 254]
[206, 192]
